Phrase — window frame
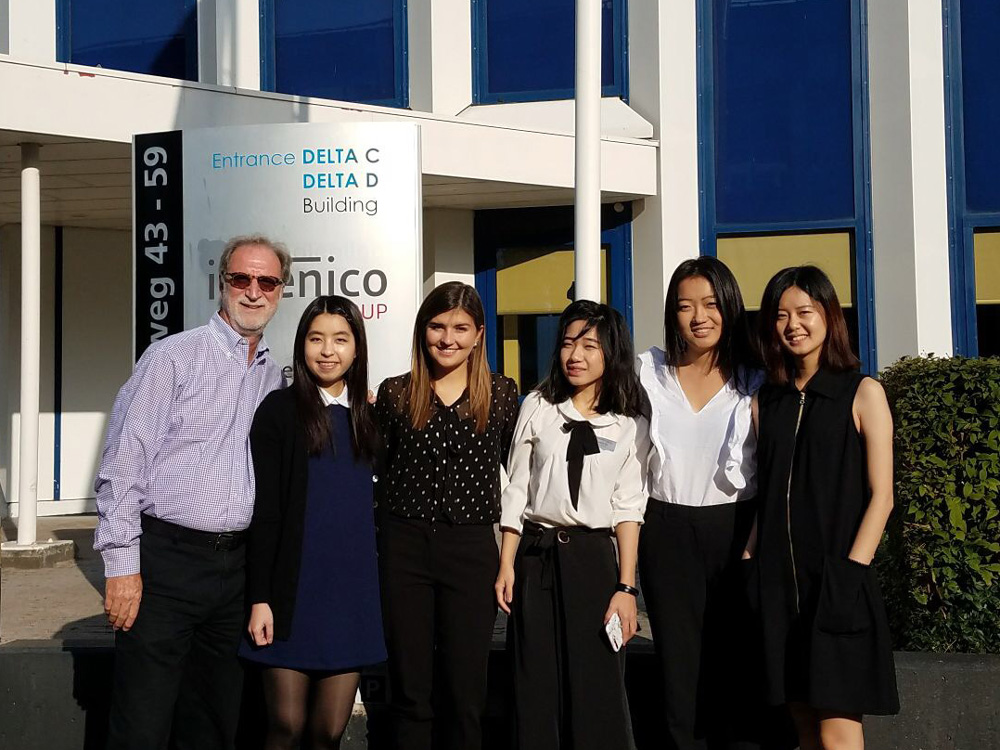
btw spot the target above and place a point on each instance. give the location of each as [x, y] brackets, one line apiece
[859, 225]
[64, 39]
[480, 62]
[401, 63]
[551, 226]
[962, 222]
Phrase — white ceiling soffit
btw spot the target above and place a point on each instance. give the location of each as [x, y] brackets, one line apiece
[618, 120]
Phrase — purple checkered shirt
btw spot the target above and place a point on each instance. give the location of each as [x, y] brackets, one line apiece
[177, 445]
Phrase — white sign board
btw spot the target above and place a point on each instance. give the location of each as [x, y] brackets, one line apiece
[345, 199]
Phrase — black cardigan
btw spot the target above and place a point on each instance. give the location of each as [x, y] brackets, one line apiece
[281, 471]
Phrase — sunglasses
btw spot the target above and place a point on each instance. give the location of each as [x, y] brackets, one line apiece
[242, 281]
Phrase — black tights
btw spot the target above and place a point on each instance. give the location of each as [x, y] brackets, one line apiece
[307, 710]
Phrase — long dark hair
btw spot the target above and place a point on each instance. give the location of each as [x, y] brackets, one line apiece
[735, 355]
[452, 295]
[836, 354]
[620, 391]
[309, 403]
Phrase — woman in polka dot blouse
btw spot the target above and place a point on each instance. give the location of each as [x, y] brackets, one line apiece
[447, 426]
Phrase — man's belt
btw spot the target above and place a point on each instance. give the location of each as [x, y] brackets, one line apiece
[225, 540]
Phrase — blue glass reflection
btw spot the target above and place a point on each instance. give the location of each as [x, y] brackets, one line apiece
[342, 50]
[157, 37]
[530, 48]
[981, 103]
[783, 106]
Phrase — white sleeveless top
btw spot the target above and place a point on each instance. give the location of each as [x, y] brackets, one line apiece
[698, 458]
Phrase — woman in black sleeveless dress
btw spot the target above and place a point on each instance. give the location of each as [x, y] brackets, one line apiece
[824, 456]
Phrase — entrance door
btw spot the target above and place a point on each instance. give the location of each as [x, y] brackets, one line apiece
[524, 273]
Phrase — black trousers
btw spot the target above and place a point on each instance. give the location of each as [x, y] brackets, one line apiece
[689, 570]
[569, 686]
[438, 609]
[176, 671]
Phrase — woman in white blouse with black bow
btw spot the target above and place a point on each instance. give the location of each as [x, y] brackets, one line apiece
[701, 484]
[577, 467]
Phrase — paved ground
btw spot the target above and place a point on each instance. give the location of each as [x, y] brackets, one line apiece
[65, 602]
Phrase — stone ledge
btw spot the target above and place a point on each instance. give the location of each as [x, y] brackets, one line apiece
[38, 555]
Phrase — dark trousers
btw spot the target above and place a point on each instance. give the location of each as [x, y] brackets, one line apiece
[688, 567]
[176, 671]
[438, 610]
[569, 686]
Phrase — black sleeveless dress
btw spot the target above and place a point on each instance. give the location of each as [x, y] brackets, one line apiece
[826, 634]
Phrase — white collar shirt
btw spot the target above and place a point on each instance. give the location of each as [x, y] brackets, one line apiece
[698, 458]
[342, 400]
[611, 486]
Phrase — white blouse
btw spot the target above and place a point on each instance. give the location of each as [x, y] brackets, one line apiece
[698, 458]
[611, 486]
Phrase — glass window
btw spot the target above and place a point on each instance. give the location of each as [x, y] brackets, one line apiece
[158, 37]
[784, 155]
[534, 285]
[981, 102]
[349, 50]
[754, 259]
[987, 254]
[524, 273]
[783, 111]
[973, 87]
[525, 49]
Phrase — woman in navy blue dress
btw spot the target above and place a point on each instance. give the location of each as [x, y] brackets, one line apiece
[312, 574]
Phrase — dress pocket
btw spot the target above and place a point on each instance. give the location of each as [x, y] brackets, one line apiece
[843, 607]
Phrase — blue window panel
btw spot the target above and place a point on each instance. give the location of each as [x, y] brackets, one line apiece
[525, 49]
[783, 108]
[158, 37]
[349, 50]
[981, 103]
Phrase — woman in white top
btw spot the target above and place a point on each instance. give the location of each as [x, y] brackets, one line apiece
[576, 477]
[701, 484]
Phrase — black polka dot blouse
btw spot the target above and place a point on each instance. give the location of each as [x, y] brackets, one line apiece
[445, 471]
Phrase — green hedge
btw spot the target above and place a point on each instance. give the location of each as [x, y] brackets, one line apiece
[940, 564]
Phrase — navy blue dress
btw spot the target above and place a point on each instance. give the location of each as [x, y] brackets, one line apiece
[337, 622]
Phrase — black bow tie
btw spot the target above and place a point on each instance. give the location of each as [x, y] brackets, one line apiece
[582, 442]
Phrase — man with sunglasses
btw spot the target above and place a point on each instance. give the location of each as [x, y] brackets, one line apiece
[175, 493]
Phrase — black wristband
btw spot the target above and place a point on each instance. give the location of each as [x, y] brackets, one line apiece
[626, 589]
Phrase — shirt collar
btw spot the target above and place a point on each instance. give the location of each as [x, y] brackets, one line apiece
[654, 361]
[230, 340]
[342, 400]
[569, 411]
[435, 399]
[828, 383]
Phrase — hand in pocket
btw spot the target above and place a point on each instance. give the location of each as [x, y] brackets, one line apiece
[843, 602]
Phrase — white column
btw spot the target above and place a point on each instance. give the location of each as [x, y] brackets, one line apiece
[449, 236]
[32, 30]
[587, 242]
[31, 313]
[4, 27]
[663, 88]
[229, 43]
[909, 179]
[440, 54]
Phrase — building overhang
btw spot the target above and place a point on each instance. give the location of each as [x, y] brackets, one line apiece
[85, 119]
